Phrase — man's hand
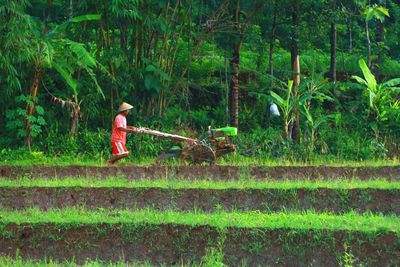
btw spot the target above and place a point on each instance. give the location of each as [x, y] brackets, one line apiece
[134, 129]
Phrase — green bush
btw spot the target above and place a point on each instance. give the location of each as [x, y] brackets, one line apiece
[390, 68]
[86, 143]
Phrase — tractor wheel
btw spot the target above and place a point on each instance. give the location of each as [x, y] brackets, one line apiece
[198, 153]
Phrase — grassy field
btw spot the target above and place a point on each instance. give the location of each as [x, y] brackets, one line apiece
[38, 158]
[244, 183]
[308, 220]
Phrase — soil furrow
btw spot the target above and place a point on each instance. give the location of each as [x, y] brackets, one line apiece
[208, 200]
[201, 172]
[175, 244]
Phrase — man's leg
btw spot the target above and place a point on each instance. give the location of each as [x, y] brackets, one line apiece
[119, 152]
[116, 158]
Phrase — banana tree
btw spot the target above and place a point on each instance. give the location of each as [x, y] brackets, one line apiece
[381, 96]
[51, 50]
[315, 123]
[315, 87]
[287, 104]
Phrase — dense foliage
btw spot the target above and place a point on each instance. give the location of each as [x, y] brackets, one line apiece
[65, 66]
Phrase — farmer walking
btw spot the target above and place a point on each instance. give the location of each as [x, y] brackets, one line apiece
[118, 136]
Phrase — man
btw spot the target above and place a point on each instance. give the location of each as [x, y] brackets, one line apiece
[118, 136]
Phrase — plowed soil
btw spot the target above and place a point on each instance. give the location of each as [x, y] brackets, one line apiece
[268, 200]
[202, 172]
[175, 244]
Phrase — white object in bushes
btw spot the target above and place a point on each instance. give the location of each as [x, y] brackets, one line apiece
[273, 108]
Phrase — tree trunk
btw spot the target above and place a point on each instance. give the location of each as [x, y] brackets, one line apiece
[272, 39]
[333, 38]
[369, 44]
[71, 9]
[234, 86]
[234, 64]
[349, 29]
[75, 118]
[226, 93]
[295, 60]
[379, 39]
[123, 36]
[30, 109]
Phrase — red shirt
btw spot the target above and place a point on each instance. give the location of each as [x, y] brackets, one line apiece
[118, 135]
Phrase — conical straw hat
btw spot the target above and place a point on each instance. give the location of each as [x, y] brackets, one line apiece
[124, 106]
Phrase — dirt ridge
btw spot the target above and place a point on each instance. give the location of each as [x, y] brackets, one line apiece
[200, 172]
[174, 244]
[208, 200]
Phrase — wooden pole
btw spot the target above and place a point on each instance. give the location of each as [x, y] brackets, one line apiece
[167, 135]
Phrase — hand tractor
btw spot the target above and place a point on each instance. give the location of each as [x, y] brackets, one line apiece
[215, 143]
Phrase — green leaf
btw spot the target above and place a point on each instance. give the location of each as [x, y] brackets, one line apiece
[87, 17]
[360, 80]
[163, 75]
[19, 123]
[370, 13]
[393, 82]
[308, 115]
[61, 27]
[369, 77]
[304, 98]
[22, 133]
[39, 110]
[323, 119]
[319, 121]
[31, 118]
[41, 121]
[93, 77]
[380, 16]
[150, 68]
[278, 99]
[152, 83]
[21, 112]
[290, 86]
[10, 114]
[84, 58]
[383, 10]
[35, 130]
[67, 77]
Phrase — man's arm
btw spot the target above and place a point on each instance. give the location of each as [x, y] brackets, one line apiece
[124, 129]
[130, 129]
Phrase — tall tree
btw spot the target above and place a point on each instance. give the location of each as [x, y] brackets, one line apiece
[234, 64]
[333, 39]
[372, 12]
[272, 38]
[295, 61]
[15, 29]
[379, 38]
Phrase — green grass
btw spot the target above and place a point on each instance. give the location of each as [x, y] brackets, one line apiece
[239, 160]
[307, 220]
[201, 184]
[39, 158]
